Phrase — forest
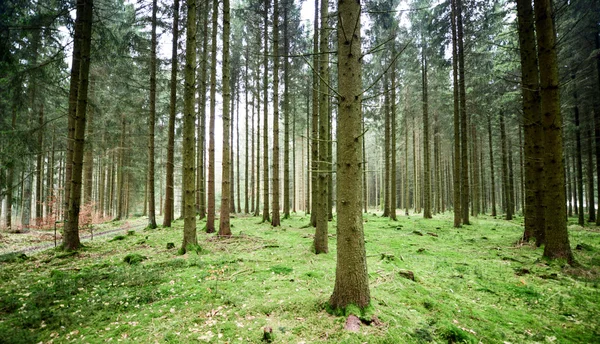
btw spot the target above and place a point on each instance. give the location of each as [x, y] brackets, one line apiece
[386, 171]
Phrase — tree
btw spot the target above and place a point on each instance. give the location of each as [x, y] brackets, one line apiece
[210, 220]
[426, 158]
[351, 278]
[224, 225]
[275, 220]
[266, 215]
[464, 206]
[71, 230]
[170, 182]
[189, 120]
[202, 81]
[557, 238]
[457, 138]
[151, 123]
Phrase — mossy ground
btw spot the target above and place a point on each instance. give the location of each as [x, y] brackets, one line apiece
[471, 285]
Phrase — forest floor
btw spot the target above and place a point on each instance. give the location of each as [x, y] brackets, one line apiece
[473, 284]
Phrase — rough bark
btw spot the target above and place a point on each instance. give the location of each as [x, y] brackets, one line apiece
[393, 194]
[492, 178]
[320, 242]
[202, 89]
[579, 164]
[351, 278]
[39, 185]
[315, 121]
[71, 229]
[465, 198]
[151, 123]
[557, 238]
[426, 158]
[286, 118]
[266, 216]
[590, 177]
[505, 184]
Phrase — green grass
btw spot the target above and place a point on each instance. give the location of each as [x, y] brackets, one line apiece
[471, 285]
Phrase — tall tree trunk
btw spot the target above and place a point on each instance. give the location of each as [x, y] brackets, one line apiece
[257, 88]
[151, 123]
[71, 229]
[426, 159]
[351, 277]
[211, 210]
[597, 120]
[204, 9]
[393, 197]
[557, 238]
[456, 204]
[286, 118]
[276, 221]
[120, 190]
[315, 121]
[246, 142]
[266, 215]
[189, 126]
[321, 242]
[170, 181]
[463, 116]
[511, 176]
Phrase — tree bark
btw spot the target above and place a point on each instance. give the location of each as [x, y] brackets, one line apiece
[492, 178]
[463, 116]
[151, 123]
[557, 239]
[202, 89]
[351, 278]
[170, 182]
[266, 216]
[286, 117]
[426, 159]
[211, 210]
[579, 164]
[276, 220]
[315, 122]
[71, 229]
[505, 184]
[393, 195]
[456, 204]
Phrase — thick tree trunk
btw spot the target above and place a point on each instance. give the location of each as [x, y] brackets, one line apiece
[10, 181]
[590, 177]
[88, 155]
[511, 176]
[351, 278]
[189, 126]
[120, 190]
[557, 238]
[386, 146]
[286, 117]
[71, 229]
[39, 185]
[246, 142]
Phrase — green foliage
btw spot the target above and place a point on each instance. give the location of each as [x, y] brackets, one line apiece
[281, 270]
[118, 238]
[13, 257]
[134, 258]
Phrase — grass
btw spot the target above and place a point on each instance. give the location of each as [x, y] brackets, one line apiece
[471, 285]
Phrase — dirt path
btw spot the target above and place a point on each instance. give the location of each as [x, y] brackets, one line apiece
[23, 242]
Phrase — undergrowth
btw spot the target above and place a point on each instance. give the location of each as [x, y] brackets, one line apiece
[469, 285]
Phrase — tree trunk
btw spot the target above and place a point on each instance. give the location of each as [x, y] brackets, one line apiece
[189, 126]
[579, 164]
[393, 195]
[557, 238]
[505, 183]
[386, 146]
[321, 242]
[39, 186]
[511, 176]
[266, 215]
[492, 178]
[590, 177]
[426, 159]
[351, 278]
[211, 210]
[10, 180]
[71, 229]
[286, 117]
[204, 9]
[456, 204]
[120, 190]
[246, 142]
[88, 155]
[463, 116]
[151, 123]
[170, 181]
[276, 221]
[315, 121]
